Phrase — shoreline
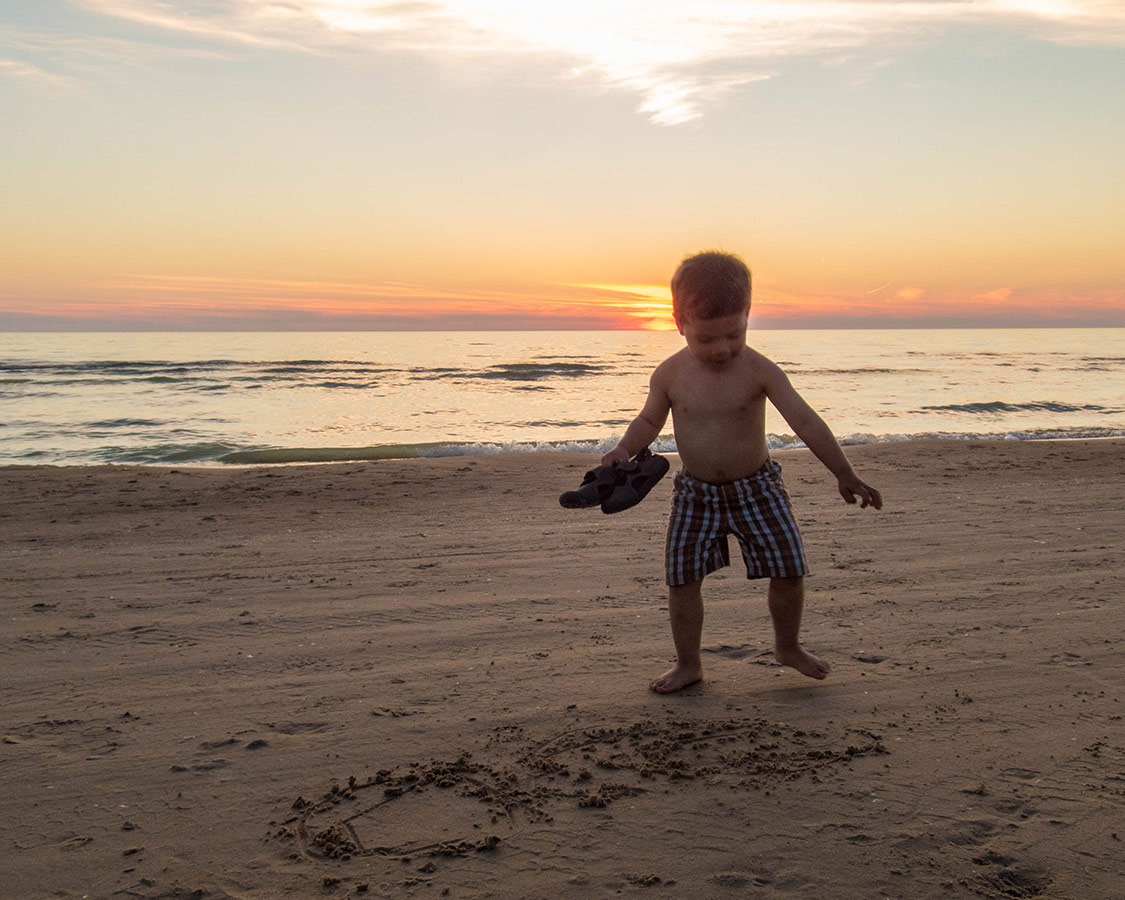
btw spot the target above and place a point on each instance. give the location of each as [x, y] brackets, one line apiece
[278, 457]
[195, 656]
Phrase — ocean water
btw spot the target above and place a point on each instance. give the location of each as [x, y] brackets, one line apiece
[240, 398]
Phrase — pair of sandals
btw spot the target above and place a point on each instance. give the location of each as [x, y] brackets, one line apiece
[619, 486]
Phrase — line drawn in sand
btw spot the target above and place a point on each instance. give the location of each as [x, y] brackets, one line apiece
[475, 806]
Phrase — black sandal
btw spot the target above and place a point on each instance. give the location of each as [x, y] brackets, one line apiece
[620, 486]
[596, 487]
[635, 479]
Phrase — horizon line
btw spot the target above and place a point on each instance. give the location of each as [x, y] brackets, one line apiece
[861, 326]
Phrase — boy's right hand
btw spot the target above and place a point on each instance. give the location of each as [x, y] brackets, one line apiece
[616, 455]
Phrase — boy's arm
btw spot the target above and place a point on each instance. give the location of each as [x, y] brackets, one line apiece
[645, 428]
[818, 437]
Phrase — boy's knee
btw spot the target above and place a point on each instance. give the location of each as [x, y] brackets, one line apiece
[789, 586]
[690, 589]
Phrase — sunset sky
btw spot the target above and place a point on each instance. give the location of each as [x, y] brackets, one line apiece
[477, 164]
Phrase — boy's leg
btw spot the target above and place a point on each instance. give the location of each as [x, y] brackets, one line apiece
[787, 601]
[685, 610]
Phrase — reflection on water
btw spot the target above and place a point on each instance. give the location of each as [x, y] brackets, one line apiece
[91, 398]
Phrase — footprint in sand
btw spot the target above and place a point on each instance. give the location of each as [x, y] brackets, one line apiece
[729, 652]
[739, 881]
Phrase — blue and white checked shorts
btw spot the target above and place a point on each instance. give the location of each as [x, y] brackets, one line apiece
[755, 509]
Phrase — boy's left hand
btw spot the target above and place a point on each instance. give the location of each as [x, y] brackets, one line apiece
[852, 488]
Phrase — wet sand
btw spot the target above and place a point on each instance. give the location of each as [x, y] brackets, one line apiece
[424, 678]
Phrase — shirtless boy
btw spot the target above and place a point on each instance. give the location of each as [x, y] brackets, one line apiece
[716, 389]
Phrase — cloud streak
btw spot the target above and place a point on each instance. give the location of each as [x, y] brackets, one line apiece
[12, 68]
[677, 57]
[64, 60]
[174, 302]
[175, 299]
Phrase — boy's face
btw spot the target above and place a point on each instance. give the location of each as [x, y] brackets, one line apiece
[715, 342]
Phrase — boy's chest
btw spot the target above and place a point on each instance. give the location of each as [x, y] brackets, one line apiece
[712, 399]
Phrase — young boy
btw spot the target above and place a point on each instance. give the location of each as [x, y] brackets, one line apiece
[716, 390]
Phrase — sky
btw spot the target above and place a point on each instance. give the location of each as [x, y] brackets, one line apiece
[480, 164]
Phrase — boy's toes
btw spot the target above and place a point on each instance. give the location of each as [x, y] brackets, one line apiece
[804, 662]
[676, 679]
[662, 686]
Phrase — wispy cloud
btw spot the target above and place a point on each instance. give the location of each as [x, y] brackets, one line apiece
[176, 298]
[67, 59]
[205, 302]
[999, 295]
[12, 68]
[913, 307]
[677, 56]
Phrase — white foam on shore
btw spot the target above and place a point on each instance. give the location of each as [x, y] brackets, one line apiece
[593, 447]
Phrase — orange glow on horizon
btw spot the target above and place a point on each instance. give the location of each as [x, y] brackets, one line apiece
[174, 299]
[201, 302]
[647, 307]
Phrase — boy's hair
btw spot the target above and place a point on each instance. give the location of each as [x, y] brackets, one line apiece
[710, 285]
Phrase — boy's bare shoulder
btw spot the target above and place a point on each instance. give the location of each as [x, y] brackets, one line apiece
[758, 358]
[676, 358]
[671, 365]
[761, 365]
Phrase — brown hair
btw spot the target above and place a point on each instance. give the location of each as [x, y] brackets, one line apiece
[710, 285]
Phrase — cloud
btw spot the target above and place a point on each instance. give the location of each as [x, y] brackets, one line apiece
[12, 68]
[65, 59]
[173, 299]
[677, 56]
[1000, 295]
[172, 302]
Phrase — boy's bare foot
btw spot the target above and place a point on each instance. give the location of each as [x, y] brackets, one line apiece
[804, 662]
[677, 678]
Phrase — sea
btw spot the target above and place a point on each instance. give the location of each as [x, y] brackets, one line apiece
[228, 399]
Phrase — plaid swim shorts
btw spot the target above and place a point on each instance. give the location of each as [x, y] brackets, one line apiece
[755, 509]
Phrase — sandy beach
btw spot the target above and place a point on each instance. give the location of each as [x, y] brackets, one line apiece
[424, 678]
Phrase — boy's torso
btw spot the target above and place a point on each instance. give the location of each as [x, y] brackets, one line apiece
[718, 414]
